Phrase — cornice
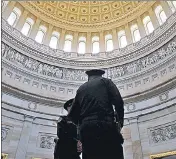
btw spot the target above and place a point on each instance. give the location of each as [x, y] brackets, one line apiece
[136, 97]
[8, 89]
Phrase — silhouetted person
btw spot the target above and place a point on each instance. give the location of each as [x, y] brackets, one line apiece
[93, 110]
[66, 145]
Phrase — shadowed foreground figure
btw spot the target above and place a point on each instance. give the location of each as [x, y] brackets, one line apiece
[66, 146]
[93, 110]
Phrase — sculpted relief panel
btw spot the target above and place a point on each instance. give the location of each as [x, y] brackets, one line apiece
[46, 141]
[24, 61]
[163, 133]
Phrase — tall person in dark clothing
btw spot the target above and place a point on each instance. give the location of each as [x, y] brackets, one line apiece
[66, 146]
[93, 110]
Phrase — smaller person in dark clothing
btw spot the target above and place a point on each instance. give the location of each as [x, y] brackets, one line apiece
[67, 145]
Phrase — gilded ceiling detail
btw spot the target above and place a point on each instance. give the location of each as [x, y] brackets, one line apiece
[87, 14]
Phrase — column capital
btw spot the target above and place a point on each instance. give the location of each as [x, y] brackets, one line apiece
[29, 118]
[133, 120]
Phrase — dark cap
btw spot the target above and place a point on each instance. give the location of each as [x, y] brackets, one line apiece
[95, 72]
[68, 103]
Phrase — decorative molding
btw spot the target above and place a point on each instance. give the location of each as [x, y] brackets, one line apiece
[46, 141]
[139, 65]
[32, 106]
[130, 107]
[5, 131]
[163, 133]
[164, 96]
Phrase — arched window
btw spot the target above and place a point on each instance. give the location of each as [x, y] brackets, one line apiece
[172, 5]
[160, 14]
[109, 42]
[40, 34]
[27, 26]
[148, 25]
[135, 33]
[4, 4]
[14, 16]
[82, 45]
[68, 43]
[54, 40]
[122, 39]
[95, 45]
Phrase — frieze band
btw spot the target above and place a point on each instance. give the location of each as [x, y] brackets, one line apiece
[79, 75]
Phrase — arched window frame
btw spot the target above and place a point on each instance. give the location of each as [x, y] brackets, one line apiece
[30, 22]
[17, 12]
[147, 21]
[109, 41]
[68, 46]
[135, 28]
[95, 45]
[82, 42]
[55, 36]
[172, 5]
[160, 14]
[122, 39]
[42, 29]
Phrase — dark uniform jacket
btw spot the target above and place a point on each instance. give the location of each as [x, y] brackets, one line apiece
[94, 99]
[66, 146]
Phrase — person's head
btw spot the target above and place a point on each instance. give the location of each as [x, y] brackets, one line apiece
[94, 73]
[68, 104]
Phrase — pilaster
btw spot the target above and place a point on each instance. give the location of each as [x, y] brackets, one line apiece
[141, 27]
[62, 39]
[24, 138]
[114, 38]
[128, 34]
[166, 8]
[22, 20]
[48, 35]
[88, 46]
[102, 42]
[75, 42]
[135, 139]
[153, 18]
[35, 29]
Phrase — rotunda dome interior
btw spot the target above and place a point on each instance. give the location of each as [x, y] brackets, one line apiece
[46, 48]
